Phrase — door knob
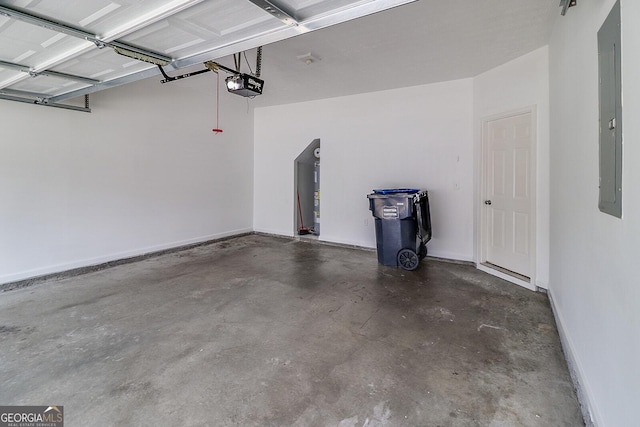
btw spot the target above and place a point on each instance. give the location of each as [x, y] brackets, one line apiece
[487, 202]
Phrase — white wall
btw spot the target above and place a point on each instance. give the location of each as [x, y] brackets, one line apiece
[523, 82]
[142, 172]
[418, 137]
[594, 280]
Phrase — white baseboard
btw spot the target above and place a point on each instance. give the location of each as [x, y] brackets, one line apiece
[88, 262]
[273, 232]
[507, 277]
[432, 253]
[590, 412]
[449, 255]
[542, 285]
[346, 242]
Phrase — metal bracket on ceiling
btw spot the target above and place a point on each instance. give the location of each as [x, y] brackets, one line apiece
[135, 52]
[39, 99]
[566, 4]
[271, 7]
[211, 66]
[168, 78]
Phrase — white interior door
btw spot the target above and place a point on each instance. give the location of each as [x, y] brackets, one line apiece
[508, 193]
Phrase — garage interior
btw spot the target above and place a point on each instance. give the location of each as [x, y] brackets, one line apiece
[151, 260]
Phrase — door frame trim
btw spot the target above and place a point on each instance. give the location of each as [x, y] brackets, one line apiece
[481, 216]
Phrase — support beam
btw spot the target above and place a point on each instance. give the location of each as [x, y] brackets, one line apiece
[14, 66]
[68, 77]
[28, 70]
[271, 7]
[35, 96]
[50, 104]
[46, 23]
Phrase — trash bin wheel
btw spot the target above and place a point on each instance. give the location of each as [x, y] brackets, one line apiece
[422, 251]
[408, 259]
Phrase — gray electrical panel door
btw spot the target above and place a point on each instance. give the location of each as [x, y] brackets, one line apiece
[610, 92]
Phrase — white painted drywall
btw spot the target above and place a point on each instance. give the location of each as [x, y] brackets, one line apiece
[418, 137]
[143, 172]
[518, 84]
[594, 280]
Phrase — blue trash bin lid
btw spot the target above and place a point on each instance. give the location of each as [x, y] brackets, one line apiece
[396, 190]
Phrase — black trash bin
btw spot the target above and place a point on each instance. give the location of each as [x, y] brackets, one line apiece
[403, 226]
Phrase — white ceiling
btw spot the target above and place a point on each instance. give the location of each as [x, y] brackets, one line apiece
[422, 42]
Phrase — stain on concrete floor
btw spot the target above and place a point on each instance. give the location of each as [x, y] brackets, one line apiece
[264, 331]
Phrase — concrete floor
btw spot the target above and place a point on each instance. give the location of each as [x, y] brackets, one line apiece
[263, 331]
